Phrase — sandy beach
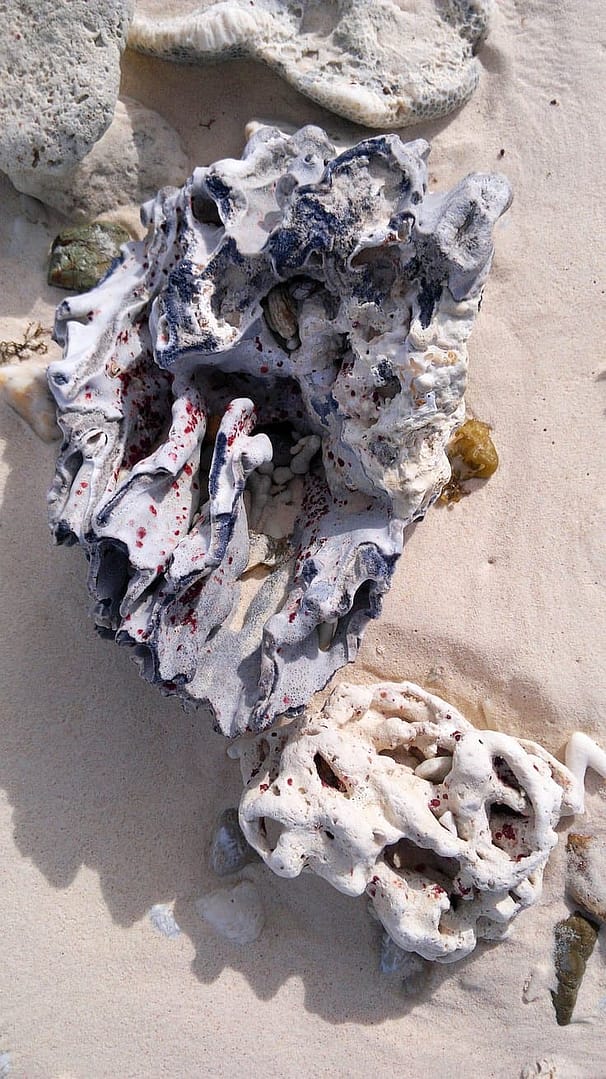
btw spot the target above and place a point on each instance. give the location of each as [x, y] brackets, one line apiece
[108, 791]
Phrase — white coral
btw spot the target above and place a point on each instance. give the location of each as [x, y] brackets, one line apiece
[391, 790]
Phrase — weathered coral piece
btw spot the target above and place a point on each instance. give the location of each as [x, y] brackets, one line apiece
[382, 64]
[229, 849]
[82, 255]
[586, 872]
[257, 401]
[235, 913]
[59, 78]
[138, 153]
[390, 790]
[574, 942]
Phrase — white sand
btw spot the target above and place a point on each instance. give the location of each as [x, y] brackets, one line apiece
[108, 790]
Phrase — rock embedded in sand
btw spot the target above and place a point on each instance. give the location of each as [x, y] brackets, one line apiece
[586, 872]
[80, 256]
[382, 64]
[59, 78]
[389, 790]
[575, 939]
[229, 849]
[24, 386]
[139, 153]
[176, 390]
[234, 913]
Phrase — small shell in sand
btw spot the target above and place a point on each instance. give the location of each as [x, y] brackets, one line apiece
[235, 913]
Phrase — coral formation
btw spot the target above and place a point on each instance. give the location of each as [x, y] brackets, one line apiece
[138, 153]
[382, 64]
[391, 791]
[59, 79]
[256, 402]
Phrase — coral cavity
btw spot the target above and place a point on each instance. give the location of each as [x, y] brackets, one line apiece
[256, 401]
[392, 792]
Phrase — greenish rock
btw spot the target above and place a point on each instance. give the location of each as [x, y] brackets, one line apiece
[574, 942]
[82, 255]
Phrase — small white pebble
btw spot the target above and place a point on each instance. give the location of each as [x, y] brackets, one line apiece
[163, 919]
[282, 476]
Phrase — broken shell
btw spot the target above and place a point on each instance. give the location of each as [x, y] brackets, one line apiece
[229, 848]
[280, 312]
[174, 392]
[81, 256]
[235, 913]
[574, 942]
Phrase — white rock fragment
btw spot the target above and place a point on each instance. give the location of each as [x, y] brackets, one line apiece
[24, 387]
[586, 872]
[163, 919]
[235, 913]
[390, 790]
[59, 79]
[139, 153]
[5, 1065]
[382, 64]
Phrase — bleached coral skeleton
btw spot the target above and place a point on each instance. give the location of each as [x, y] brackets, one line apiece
[390, 790]
[256, 402]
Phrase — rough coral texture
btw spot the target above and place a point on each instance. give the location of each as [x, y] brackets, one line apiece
[382, 63]
[59, 79]
[390, 790]
[257, 401]
[138, 153]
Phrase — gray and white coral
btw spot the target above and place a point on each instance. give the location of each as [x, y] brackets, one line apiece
[380, 63]
[256, 402]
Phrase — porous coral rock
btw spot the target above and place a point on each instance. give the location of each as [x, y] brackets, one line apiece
[138, 153]
[390, 790]
[59, 79]
[257, 401]
[382, 64]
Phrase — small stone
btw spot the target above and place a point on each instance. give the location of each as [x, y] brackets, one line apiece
[24, 387]
[234, 913]
[163, 919]
[229, 849]
[586, 872]
[81, 256]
